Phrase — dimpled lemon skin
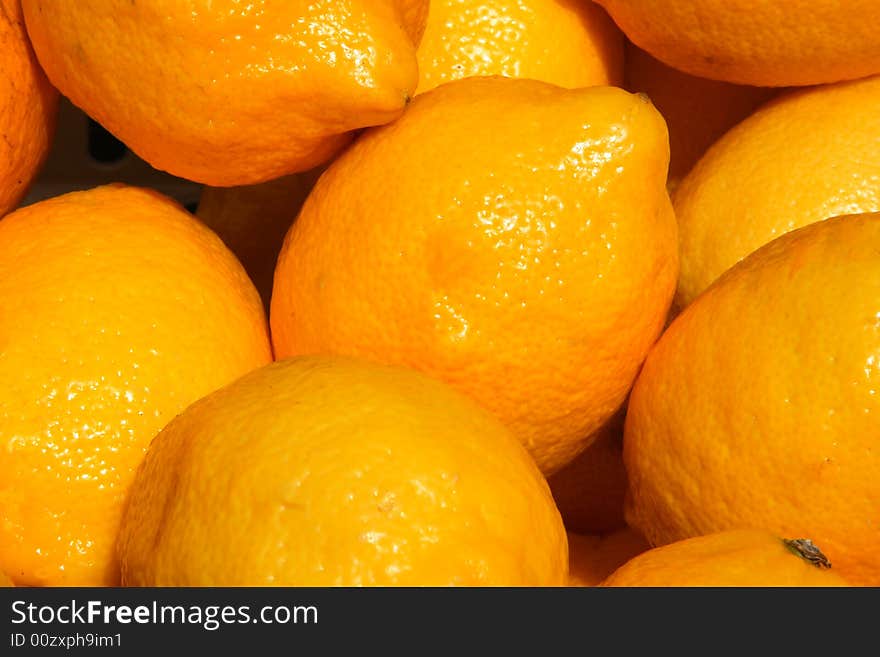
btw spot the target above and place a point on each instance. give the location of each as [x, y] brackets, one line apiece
[507, 236]
[571, 43]
[759, 408]
[119, 309]
[744, 557]
[769, 43]
[225, 92]
[805, 156]
[321, 471]
[28, 109]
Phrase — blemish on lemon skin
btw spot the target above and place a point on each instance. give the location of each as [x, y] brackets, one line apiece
[807, 550]
[387, 504]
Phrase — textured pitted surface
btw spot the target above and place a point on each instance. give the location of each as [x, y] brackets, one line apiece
[759, 406]
[118, 310]
[572, 43]
[760, 42]
[744, 557]
[507, 236]
[806, 156]
[321, 471]
[230, 93]
[28, 107]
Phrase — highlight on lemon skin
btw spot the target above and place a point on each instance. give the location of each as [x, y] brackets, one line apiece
[327, 471]
[571, 43]
[531, 269]
[228, 93]
[477, 293]
[798, 159]
[119, 310]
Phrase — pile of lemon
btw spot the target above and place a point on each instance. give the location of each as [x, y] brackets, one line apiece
[479, 292]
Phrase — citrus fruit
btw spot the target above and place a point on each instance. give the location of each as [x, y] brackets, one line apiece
[531, 268]
[758, 406]
[698, 111]
[589, 491]
[28, 109]
[745, 557]
[758, 42]
[5, 582]
[805, 156]
[593, 558]
[119, 310]
[325, 471]
[229, 93]
[571, 43]
[253, 219]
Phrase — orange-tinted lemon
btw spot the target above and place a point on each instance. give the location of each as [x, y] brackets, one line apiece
[321, 471]
[745, 557]
[119, 310]
[759, 408]
[529, 267]
[230, 93]
[28, 109]
[805, 156]
[758, 42]
[571, 43]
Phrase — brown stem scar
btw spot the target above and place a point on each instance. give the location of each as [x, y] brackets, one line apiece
[807, 550]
